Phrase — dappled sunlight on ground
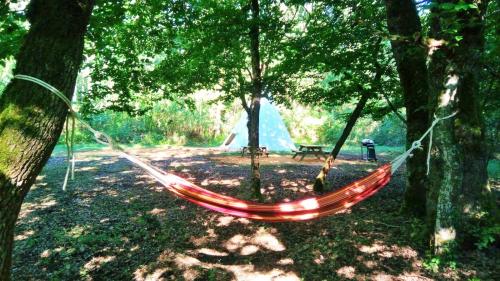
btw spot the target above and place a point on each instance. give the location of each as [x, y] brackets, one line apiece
[246, 245]
[97, 262]
[348, 272]
[116, 223]
[44, 203]
[25, 235]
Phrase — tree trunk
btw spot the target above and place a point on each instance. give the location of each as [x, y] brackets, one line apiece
[405, 27]
[253, 118]
[31, 118]
[437, 72]
[475, 194]
[319, 183]
[446, 167]
[459, 180]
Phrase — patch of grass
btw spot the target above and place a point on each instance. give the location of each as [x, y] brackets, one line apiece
[60, 149]
[494, 169]
[351, 149]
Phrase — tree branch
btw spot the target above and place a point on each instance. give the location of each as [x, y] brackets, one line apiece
[393, 108]
[249, 72]
[244, 103]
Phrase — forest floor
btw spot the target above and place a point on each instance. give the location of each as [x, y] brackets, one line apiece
[116, 223]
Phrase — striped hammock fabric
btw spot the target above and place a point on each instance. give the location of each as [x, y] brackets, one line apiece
[297, 210]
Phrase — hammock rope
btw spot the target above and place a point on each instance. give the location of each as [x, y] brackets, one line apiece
[398, 161]
[297, 210]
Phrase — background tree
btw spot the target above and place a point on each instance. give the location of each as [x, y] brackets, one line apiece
[229, 46]
[459, 197]
[339, 54]
[253, 110]
[405, 26]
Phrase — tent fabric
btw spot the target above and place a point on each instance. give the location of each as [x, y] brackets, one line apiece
[273, 133]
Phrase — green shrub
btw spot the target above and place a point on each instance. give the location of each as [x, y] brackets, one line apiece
[208, 125]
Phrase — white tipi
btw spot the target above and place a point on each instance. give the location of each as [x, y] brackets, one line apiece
[273, 133]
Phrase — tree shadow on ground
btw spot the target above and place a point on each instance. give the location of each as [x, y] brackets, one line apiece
[115, 223]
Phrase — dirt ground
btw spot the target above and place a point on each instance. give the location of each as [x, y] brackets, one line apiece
[116, 223]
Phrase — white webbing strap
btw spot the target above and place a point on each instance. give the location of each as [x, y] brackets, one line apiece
[100, 137]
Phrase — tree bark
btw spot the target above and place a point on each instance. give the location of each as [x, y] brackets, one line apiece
[460, 195]
[475, 194]
[404, 25]
[253, 117]
[446, 167]
[31, 118]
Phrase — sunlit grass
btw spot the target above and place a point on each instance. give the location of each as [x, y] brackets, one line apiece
[60, 149]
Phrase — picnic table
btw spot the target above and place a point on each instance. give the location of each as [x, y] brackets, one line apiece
[307, 149]
[260, 151]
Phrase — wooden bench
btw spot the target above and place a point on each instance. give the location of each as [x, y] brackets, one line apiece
[297, 153]
[316, 150]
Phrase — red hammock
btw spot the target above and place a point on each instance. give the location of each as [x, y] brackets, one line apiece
[297, 210]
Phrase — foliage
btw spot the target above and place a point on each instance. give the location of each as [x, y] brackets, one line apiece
[13, 26]
[160, 49]
[338, 48]
[170, 49]
[122, 56]
[487, 236]
[440, 263]
[166, 123]
[432, 264]
[6, 73]
[324, 126]
[208, 124]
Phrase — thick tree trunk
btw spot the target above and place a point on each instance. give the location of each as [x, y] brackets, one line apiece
[31, 119]
[319, 183]
[459, 180]
[446, 167]
[405, 27]
[475, 194]
[253, 118]
[439, 176]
